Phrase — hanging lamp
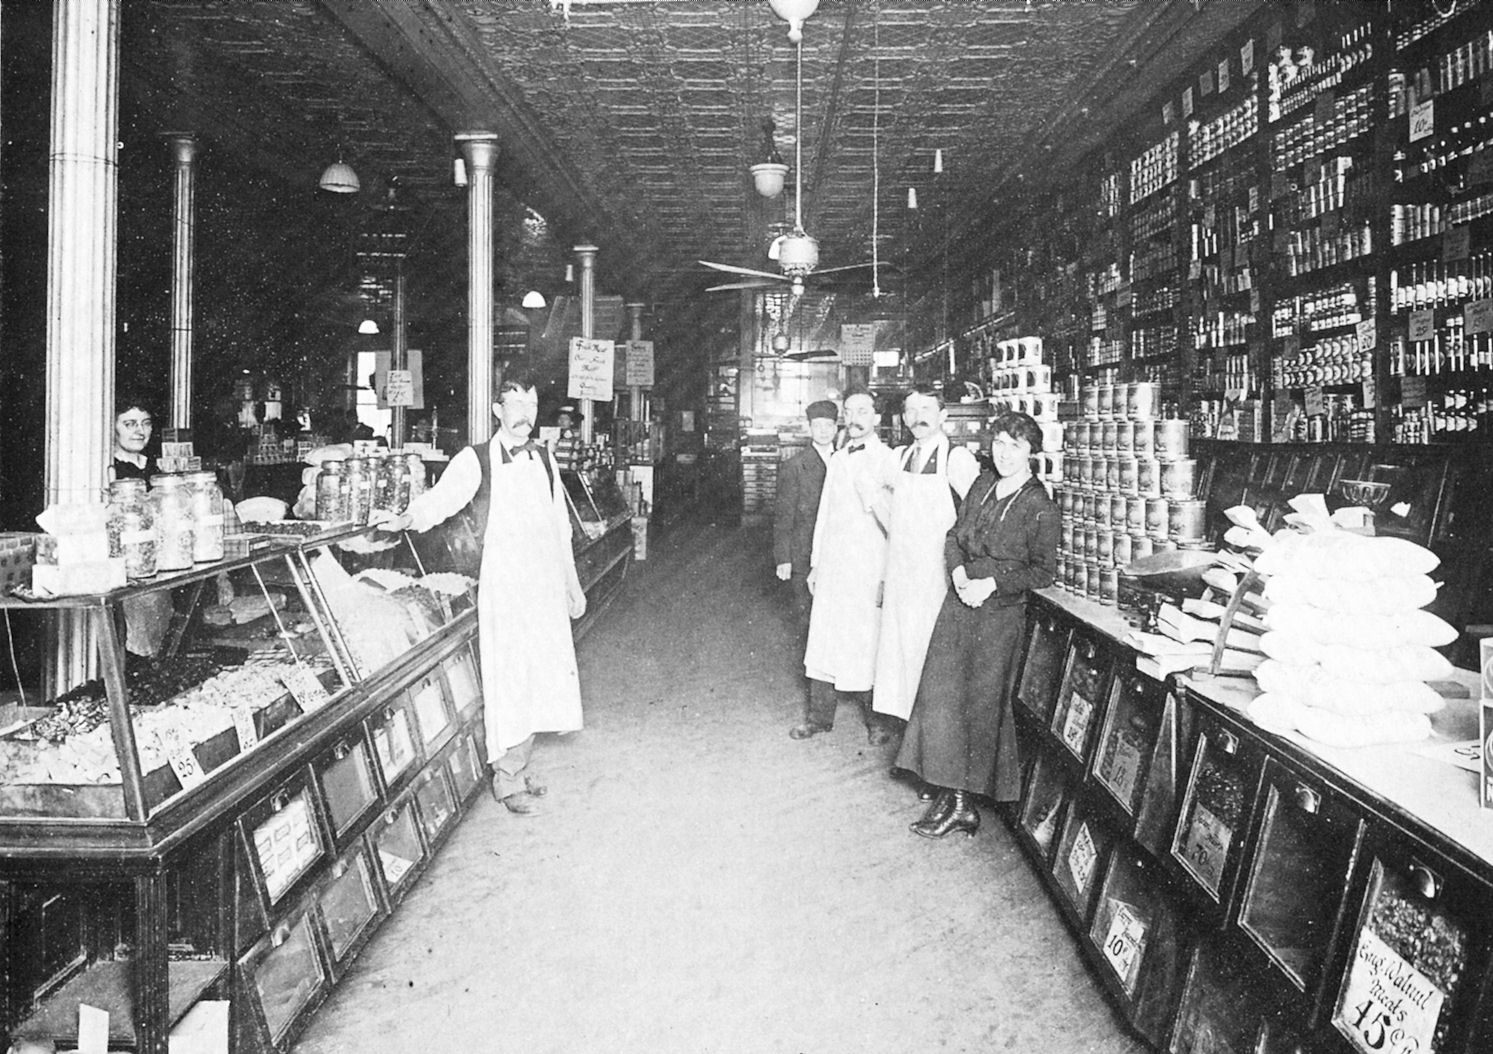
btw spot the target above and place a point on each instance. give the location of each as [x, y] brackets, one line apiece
[339, 177]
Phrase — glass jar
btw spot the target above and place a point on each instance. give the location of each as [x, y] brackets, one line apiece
[175, 528]
[359, 489]
[331, 492]
[131, 526]
[382, 469]
[393, 492]
[415, 471]
[207, 515]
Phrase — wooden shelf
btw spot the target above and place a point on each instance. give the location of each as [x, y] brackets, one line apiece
[106, 985]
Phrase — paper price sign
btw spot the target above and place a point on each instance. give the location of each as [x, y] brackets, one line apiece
[243, 725]
[639, 369]
[305, 688]
[1254, 301]
[1456, 244]
[1124, 943]
[1315, 403]
[1388, 1006]
[1081, 858]
[590, 369]
[188, 772]
[1423, 323]
[1187, 104]
[1422, 119]
[399, 388]
[1477, 317]
[1247, 57]
[1124, 770]
[1076, 723]
[1412, 392]
[1223, 76]
[1368, 335]
[1206, 847]
[1370, 394]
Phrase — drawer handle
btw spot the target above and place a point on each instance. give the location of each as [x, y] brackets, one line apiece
[390, 817]
[341, 751]
[339, 869]
[1308, 800]
[280, 801]
[280, 935]
[1426, 882]
[389, 713]
[1228, 743]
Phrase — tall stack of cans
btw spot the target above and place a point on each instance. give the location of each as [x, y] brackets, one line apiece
[1129, 488]
[1021, 381]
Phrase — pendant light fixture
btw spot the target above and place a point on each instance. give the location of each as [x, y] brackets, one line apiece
[769, 174]
[794, 12]
[339, 177]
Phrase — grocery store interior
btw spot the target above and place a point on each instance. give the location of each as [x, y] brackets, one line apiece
[1233, 259]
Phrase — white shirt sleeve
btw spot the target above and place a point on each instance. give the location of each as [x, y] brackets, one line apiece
[451, 493]
[963, 469]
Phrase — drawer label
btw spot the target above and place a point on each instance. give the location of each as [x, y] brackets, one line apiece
[1124, 943]
[1076, 722]
[1081, 859]
[1206, 846]
[1388, 1006]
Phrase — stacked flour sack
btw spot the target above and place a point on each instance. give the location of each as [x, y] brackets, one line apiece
[1349, 648]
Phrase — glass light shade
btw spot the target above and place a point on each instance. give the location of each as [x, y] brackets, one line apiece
[797, 253]
[368, 326]
[340, 178]
[794, 12]
[768, 177]
[533, 298]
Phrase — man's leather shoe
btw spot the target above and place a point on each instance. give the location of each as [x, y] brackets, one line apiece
[877, 735]
[807, 729]
[534, 787]
[522, 804]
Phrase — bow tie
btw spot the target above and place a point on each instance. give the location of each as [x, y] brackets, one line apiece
[529, 447]
[855, 449]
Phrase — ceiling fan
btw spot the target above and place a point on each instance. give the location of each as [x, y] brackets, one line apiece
[795, 252]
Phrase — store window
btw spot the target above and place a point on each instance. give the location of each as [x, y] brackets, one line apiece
[369, 412]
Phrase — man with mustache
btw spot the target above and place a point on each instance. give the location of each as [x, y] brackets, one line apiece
[846, 564]
[528, 589]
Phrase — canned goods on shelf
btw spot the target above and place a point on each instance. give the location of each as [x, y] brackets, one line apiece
[1123, 550]
[1141, 546]
[1185, 520]
[1171, 439]
[1128, 475]
[1148, 477]
[1143, 438]
[1157, 518]
[1124, 438]
[1108, 436]
[1179, 478]
[1109, 585]
[1140, 401]
[1135, 513]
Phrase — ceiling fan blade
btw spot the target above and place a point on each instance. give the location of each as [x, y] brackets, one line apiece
[815, 355]
[733, 269]
[745, 285]
[889, 268]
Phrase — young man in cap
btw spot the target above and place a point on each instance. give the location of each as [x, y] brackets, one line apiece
[800, 482]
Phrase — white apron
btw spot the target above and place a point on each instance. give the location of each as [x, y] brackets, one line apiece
[529, 678]
[849, 557]
[916, 581]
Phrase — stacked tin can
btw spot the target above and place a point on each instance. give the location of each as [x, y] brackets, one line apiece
[1021, 381]
[1129, 487]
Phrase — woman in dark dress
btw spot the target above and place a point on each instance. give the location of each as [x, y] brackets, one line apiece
[961, 739]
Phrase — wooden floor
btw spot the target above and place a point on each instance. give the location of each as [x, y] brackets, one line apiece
[700, 882]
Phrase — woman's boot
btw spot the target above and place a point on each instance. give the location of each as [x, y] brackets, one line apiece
[942, 803]
[960, 814]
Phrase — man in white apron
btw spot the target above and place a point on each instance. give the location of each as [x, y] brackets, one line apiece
[527, 591]
[932, 474]
[846, 565]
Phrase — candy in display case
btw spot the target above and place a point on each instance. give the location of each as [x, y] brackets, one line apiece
[436, 725]
[1048, 789]
[284, 839]
[1210, 831]
[1419, 946]
[284, 979]
[1080, 856]
[1128, 738]
[1081, 697]
[347, 785]
[1222, 1006]
[350, 905]
[1298, 874]
[397, 845]
[1140, 944]
[393, 736]
[1047, 644]
[437, 805]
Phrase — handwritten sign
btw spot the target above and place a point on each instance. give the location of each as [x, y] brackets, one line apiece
[1076, 722]
[1124, 943]
[1081, 858]
[858, 343]
[1412, 392]
[1247, 57]
[1205, 84]
[1477, 317]
[1316, 405]
[1423, 323]
[399, 388]
[1223, 76]
[1388, 1006]
[639, 364]
[188, 771]
[1205, 847]
[1367, 333]
[1456, 244]
[590, 369]
[1194, 270]
[1123, 771]
[1422, 119]
[304, 687]
[243, 725]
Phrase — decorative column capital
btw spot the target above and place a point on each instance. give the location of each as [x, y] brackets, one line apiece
[480, 149]
[184, 146]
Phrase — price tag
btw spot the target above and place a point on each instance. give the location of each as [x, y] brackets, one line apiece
[1326, 103]
[305, 687]
[1456, 244]
[1076, 724]
[1388, 1006]
[1370, 393]
[1412, 392]
[1081, 858]
[1124, 770]
[1480, 168]
[1123, 296]
[1187, 105]
[1315, 404]
[1423, 323]
[1247, 57]
[1194, 270]
[1168, 112]
[188, 772]
[399, 388]
[1477, 317]
[1223, 75]
[243, 724]
[1124, 943]
[1206, 847]
[1254, 301]
[1367, 332]
[1422, 119]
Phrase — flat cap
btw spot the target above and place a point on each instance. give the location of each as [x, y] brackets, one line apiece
[822, 408]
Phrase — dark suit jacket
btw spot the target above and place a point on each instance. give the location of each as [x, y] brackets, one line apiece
[800, 480]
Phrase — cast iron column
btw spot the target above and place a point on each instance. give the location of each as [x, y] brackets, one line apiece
[480, 149]
[183, 272]
[587, 256]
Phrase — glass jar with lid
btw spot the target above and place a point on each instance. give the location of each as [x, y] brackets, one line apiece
[331, 492]
[382, 467]
[207, 516]
[131, 526]
[359, 489]
[175, 527]
[415, 469]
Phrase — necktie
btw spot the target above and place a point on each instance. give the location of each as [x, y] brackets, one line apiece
[528, 447]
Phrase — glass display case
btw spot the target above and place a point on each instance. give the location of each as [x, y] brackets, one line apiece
[1215, 809]
[1080, 700]
[349, 905]
[1128, 737]
[437, 805]
[1419, 945]
[397, 845]
[1047, 645]
[1048, 789]
[284, 976]
[348, 786]
[1080, 856]
[1222, 1004]
[1141, 947]
[1298, 874]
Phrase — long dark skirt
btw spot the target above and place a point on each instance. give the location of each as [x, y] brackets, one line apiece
[961, 733]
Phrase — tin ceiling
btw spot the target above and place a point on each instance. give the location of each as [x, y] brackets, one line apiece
[631, 123]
